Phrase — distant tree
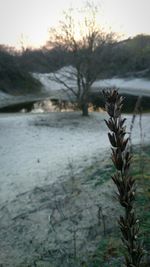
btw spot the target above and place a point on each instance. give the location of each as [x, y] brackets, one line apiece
[86, 44]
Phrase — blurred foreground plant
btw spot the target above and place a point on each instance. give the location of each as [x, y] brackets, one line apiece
[121, 157]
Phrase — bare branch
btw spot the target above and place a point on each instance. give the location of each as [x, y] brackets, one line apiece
[61, 81]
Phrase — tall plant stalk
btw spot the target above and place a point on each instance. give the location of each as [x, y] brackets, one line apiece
[125, 183]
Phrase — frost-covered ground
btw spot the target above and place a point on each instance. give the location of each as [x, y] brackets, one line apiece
[67, 75]
[54, 89]
[37, 149]
[46, 192]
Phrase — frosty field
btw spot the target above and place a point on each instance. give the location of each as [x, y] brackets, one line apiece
[38, 153]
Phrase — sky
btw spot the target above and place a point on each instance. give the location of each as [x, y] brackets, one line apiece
[28, 21]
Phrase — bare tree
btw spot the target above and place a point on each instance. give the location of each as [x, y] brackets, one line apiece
[85, 42]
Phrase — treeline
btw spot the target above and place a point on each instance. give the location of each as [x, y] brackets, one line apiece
[130, 57]
[127, 57]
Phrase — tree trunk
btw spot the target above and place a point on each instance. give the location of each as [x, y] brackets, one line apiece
[84, 108]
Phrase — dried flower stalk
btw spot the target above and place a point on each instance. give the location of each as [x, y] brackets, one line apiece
[121, 157]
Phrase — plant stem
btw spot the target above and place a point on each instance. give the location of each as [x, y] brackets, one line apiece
[121, 157]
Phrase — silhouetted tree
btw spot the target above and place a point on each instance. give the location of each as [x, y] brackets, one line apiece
[85, 42]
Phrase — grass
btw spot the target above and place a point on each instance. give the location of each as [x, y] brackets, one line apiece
[104, 175]
[99, 174]
[143, 196]
[110, 250]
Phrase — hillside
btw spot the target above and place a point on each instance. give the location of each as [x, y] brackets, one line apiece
[14, 79]
[130, 57]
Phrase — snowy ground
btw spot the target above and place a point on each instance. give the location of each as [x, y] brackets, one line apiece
[52, 85]
[40, 203]
[37, 149]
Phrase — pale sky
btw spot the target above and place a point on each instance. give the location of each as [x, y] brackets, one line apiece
[32, 18]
